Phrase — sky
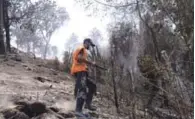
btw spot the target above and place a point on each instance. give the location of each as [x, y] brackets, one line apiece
[79, 23]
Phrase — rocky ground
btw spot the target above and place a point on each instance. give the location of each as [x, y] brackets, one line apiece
[29, 90]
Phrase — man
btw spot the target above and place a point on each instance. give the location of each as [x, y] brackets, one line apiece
[84, 89]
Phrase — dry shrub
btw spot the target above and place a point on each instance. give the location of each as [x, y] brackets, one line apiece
[62, 67]
[53, 63]
[148, 66]
[67, 61]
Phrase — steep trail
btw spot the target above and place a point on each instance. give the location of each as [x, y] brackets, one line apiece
[30, 81]
[22, 82]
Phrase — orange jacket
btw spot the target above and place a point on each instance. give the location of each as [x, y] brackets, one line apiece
[77, 66]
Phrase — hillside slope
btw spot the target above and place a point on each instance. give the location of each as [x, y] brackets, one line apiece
[30, 89]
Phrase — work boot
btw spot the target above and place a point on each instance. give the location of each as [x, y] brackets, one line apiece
[90, 107]
[80, 115]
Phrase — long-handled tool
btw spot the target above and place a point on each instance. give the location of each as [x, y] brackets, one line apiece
[100, 67]
[94, 59]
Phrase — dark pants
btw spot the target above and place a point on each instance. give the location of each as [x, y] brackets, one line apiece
[84, 90]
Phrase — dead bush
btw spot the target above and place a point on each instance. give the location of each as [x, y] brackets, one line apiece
[53, 63]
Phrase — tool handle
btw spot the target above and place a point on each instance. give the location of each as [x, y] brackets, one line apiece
[100, 67]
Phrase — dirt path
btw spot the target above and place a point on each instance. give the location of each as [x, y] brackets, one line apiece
[19, 83]
[28, 82]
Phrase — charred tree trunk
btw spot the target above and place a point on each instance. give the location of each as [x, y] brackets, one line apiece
[6, 25]
[28, 47]
[45, 51]
[152, 33]
[114, 83]
[47, 40]
[33, 48]
[2, 46]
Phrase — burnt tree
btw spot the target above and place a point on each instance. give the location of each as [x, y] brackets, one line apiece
[6, 24]
[2, 46]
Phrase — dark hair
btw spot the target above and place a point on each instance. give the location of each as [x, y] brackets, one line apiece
[88, 40]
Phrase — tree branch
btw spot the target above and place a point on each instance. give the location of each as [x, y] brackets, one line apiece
[109, 5]
[157, 57]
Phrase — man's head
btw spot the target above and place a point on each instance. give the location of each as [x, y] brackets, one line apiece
[87, 43]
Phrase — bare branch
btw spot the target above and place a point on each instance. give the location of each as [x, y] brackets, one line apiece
[151, 31]
[117, 6]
